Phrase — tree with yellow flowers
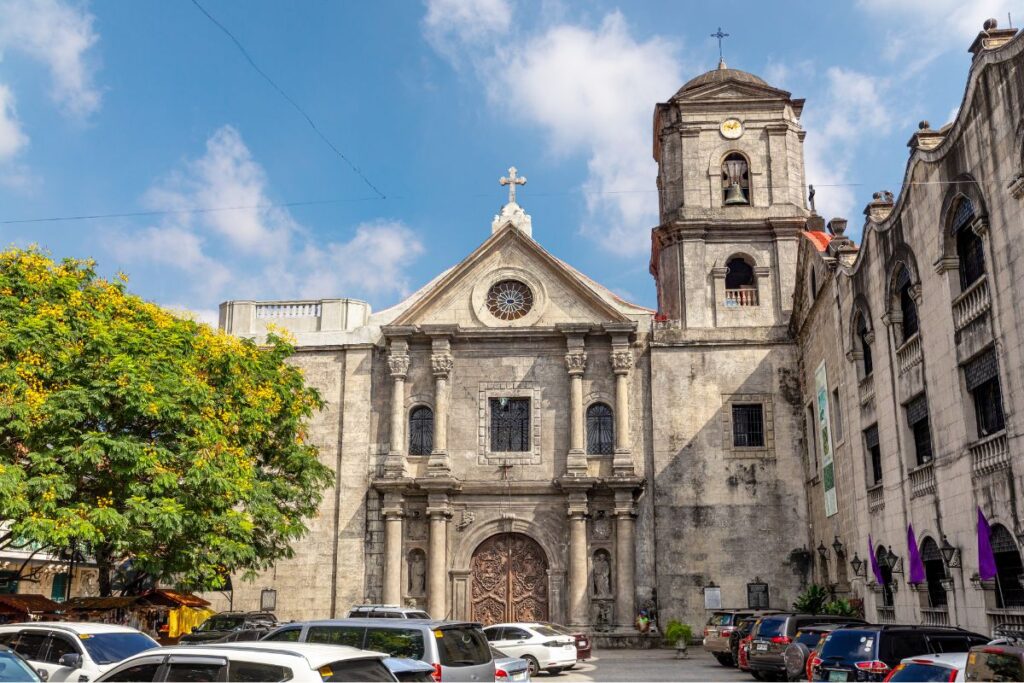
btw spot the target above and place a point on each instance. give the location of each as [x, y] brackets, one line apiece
[138, 435]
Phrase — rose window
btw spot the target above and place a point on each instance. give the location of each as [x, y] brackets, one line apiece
[509, 300]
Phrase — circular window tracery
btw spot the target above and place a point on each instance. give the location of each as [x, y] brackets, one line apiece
[509, 300]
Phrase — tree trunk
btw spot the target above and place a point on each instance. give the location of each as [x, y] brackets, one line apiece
[104, 566]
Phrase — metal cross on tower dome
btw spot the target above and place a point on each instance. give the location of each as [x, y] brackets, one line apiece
[720, 35]
[512, 180]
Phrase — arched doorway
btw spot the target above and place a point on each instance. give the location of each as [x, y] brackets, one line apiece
[509, 580]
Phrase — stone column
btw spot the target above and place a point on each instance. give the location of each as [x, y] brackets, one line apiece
[398, 364]
[441, 361]
[578, 573]
[437, 560]
[575, 364]
[622, 362]
[625, 593]
[392, 549]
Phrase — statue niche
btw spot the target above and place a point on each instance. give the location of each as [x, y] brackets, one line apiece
[417, 572]
[601, 582]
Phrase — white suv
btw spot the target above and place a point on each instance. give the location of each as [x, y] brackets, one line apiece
[253, 661]
[73, 651]
[540, 645]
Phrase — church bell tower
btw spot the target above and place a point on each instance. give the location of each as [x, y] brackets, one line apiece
[731, 193]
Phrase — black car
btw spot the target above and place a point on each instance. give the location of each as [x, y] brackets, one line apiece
[230, 627]
[868, 653]
[775, 633]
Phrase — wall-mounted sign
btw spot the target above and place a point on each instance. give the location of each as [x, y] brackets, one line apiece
[712, 597]
[825, 434]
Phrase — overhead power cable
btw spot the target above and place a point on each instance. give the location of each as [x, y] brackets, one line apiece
[288, 98]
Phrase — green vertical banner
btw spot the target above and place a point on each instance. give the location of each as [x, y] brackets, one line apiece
[825, 432]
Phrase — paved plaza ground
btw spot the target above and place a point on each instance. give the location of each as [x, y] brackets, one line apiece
[649, 665]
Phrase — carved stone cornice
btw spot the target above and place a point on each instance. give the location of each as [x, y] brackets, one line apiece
[1017, 187]
[892, 318]
[946, 263]
[622, 361]
[916, 293]
[576, 362]
[980, 226]
[441, 364]
[398, 364]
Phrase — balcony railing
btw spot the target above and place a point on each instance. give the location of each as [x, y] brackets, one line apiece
[876, 498]
[989, 454]
[866, 389]
[298, 309]
[740, 297]
[935, 616]
[922, 480]
[971, 304]
[887, 615]
[909, 355]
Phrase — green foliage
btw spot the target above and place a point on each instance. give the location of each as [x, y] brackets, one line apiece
[141, 435]
[812, 600]
[676, 631]
[840, 608]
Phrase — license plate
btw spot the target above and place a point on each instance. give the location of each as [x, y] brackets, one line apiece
[763, 647]
[834, 675]
[521, 676]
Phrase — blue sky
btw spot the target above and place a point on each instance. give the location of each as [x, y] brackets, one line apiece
[115, 107]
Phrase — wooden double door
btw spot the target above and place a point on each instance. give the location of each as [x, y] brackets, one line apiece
[509, 580]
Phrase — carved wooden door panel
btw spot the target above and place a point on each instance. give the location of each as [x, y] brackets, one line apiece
[510, 580]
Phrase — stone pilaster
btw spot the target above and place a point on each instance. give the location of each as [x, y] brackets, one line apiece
[575, 365]
[398, 365]
[438, 513]
[622, 363]
[578, 573]
[441, 362]
[625, 593]
[392, 548]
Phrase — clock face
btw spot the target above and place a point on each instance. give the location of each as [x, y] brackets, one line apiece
[731, 129]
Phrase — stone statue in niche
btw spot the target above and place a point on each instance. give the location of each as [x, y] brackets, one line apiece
[417, 573]
[602, 575]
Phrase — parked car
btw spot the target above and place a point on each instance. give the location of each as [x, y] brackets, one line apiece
[411, 670]
[995, 663]
[947, 666]
[583, 646]
[73, 651]
[741, 631]
[230, 627]
[719, 629]
[775, 633]
[14, 667]
[456, 649]
[799, 656]
[541, 646]
[252, 661]
[508, 668]
[386, 612]
[868, 653]
[743, 648]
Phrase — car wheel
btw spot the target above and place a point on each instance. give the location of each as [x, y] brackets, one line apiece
[533, 664]
[758, 676]
[555, 670]
[724, 660]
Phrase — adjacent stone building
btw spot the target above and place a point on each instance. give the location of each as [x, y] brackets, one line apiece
[515, 442]
[911, 364]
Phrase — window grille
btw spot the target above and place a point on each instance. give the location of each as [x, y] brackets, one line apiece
[963, 216]
[865, 347]
[871, 442]
[510, 424]
[600, 430]
[748, 426]
[971, 253]
[917, 409]
[908, 307]
[981, 369]
[421, 431]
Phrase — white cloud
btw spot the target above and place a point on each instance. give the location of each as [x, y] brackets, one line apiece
[591, 91]
[59, 35]
[12, 138]
[855, 105]
[256, 252]
[450, 24]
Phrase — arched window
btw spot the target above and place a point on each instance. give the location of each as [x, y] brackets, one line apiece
[908, 305]
[969, 247]
[735, 180]
[421, 431]
[1010, 593]
[600, 430]
[740, 274]
[886, 571]
[934, 572]
[863, 336]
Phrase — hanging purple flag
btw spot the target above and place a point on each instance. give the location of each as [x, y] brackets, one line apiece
[986, 558]
[917, 574]
[874, 561]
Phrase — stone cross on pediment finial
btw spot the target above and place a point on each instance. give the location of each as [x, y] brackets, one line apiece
[512, 180]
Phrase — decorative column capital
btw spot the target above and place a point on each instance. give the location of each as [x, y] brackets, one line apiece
[622, 361]
[980, 226]
[576, 362]
[946, 263]
[719, 272]
[441, 364]
[577, 505]
[916, 293]
[854, 356]
[398, 364]
[892, 318]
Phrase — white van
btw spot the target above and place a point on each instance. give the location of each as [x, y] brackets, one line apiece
[73, 651]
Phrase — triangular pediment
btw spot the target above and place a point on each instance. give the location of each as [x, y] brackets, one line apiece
[730, 90]
[558, 294]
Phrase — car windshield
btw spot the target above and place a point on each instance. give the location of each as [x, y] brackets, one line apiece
[462, 646]
[720, 619]
[221, 624]
[107, 648]
[994, 666]
[547, 631]
[13, 668]
[919, 671]
[771, 626]
[852, 646]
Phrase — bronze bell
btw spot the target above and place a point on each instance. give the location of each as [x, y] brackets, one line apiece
[735, 195]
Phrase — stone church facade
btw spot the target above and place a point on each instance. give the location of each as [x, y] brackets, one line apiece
[515, 442]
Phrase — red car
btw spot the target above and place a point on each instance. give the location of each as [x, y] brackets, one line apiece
[583, 647]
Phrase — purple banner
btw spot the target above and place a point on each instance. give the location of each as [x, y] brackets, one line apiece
[917, 574]
[986, 558]
[874, 561]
